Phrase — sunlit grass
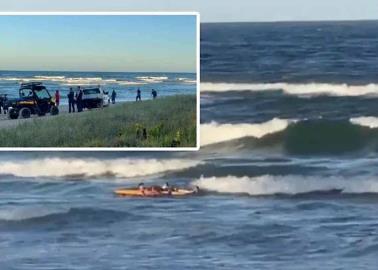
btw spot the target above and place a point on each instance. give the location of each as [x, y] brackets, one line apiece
[164, 122]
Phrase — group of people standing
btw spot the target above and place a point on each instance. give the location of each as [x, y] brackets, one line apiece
[75, 98]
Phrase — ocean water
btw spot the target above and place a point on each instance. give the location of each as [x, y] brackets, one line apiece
[124, 83]
[288, 168]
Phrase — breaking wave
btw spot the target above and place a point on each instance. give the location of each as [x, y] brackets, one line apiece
[365, 121]
[215, 133]
[152, 79]
[186, 80]
[75, 81]
[306, 137]
[290, 185]
[50, 77]
[324, 137]
[120, 168]
[309, 89]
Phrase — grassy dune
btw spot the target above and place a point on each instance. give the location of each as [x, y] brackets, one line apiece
[164, 122]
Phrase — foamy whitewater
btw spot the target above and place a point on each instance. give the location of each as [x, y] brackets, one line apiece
[367, 121]
[289, 185]
[215, 133]
[288, 165]
[309, 89]
[120, 168]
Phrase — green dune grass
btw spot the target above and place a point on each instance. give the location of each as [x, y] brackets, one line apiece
[164, 122]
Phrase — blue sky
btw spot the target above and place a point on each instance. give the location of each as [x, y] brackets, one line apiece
[98, 43]
[217, 10]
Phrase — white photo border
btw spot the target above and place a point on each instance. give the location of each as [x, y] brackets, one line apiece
[122, 149]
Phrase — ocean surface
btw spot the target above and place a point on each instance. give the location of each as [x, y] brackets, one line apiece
[288, 168]
[124, 83]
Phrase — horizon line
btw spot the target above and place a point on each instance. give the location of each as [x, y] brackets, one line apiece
[77, 71]
[294, 21]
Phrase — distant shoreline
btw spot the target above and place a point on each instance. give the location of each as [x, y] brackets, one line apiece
[294, 21]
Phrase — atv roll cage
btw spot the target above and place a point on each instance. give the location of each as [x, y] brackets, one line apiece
[34, 98]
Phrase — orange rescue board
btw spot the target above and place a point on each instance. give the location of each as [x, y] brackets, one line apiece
[135, 192]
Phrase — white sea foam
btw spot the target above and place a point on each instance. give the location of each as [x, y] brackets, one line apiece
[366, 121]
[152, 79]
[76, 81]
[16, 79]
[130, 83]
[50, 77]
[215, 133]
[186, 80]
[59, 79]
[310, 89]
[291, 184]
[122, 168]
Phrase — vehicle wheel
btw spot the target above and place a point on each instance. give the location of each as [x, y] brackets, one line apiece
[12, 114]
[25, 113]
[100, 104]
[54, 110]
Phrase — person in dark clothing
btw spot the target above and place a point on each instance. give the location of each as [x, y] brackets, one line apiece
[79, 100]
[114, 94]
[5, 99]
[139, 95]
[2, 104]
[154, 93]
[71, 100]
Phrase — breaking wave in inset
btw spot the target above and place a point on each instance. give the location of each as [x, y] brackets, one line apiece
[76, 81]
[152, 79]
[305, 89]
[186, 80]
[303, 137]
[120, 168]
[290, 185]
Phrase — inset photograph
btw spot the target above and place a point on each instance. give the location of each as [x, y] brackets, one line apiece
[91, 81]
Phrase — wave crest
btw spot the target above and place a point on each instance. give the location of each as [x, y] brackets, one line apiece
[215, 133]
[290, 185]
[365, 121]
[305, 137]
[65, 167]
[309, 89]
